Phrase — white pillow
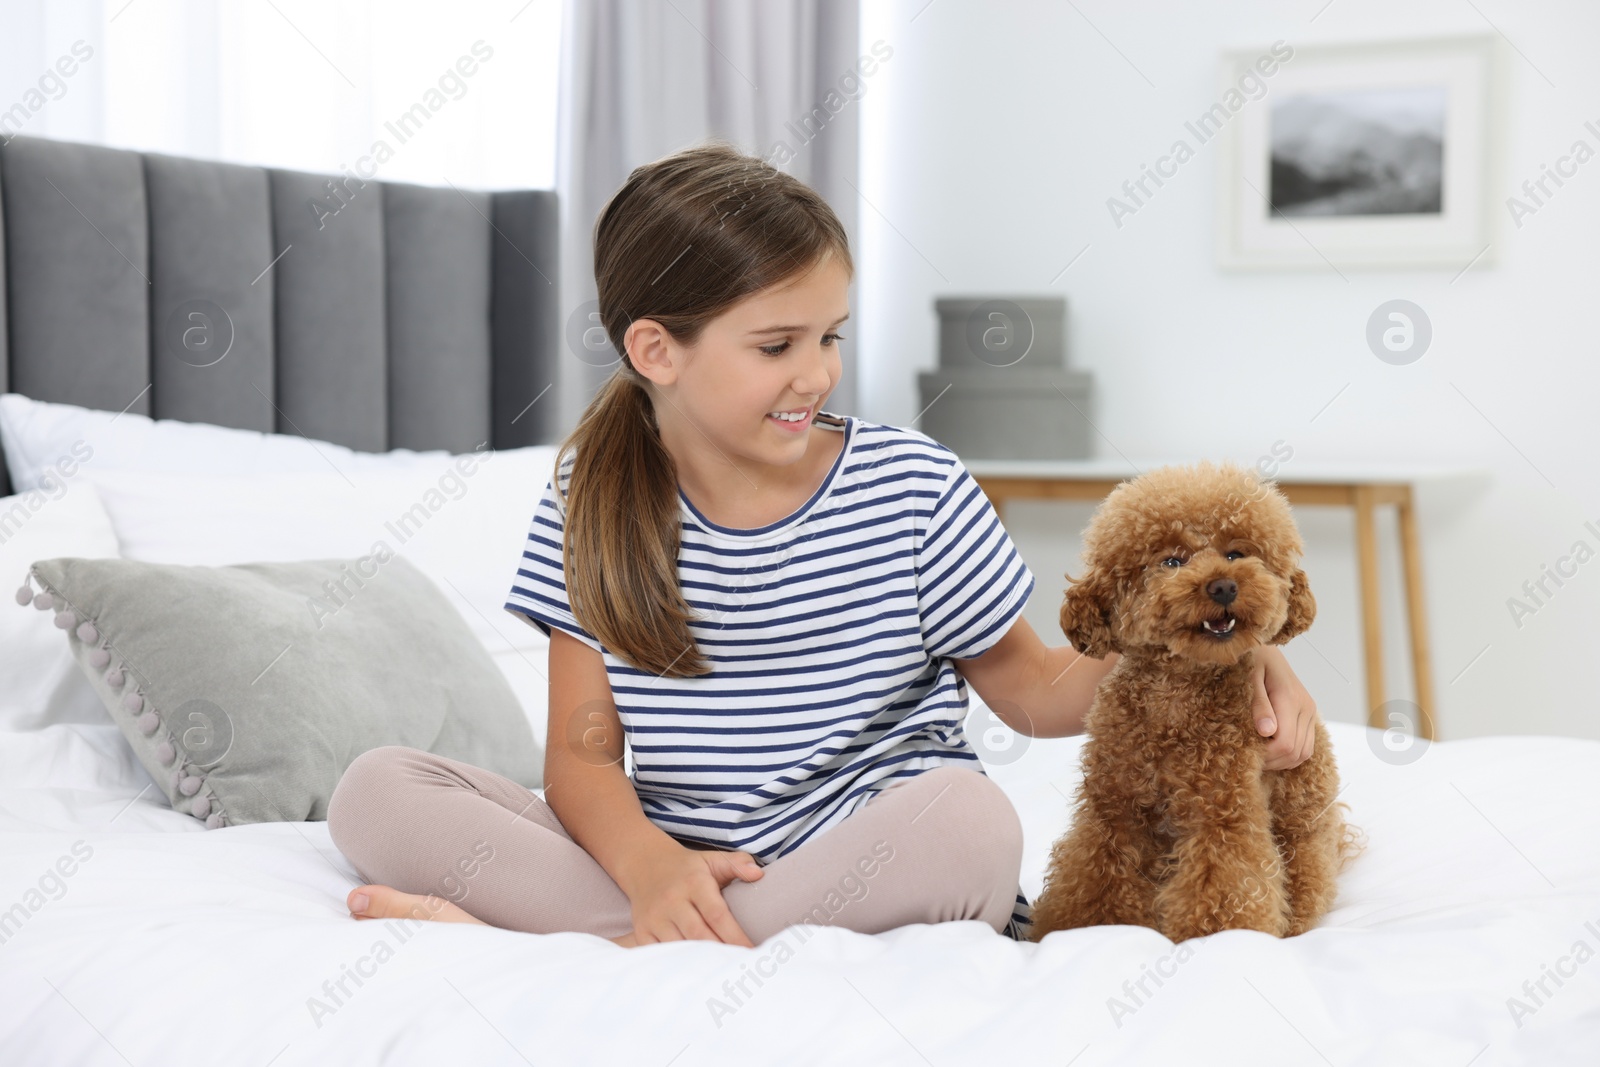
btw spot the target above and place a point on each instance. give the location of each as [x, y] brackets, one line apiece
[36, 435]
[462, 520]
[185, 492]
[40, 684]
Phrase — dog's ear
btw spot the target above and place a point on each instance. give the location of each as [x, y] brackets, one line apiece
[1302, 609]
[1086, 615]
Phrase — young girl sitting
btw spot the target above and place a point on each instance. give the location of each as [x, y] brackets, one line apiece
[779, 608]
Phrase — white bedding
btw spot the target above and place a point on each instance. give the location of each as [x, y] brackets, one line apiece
[170, 944]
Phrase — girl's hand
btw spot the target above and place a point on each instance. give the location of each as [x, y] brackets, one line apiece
[1283, 710]
[677, 895]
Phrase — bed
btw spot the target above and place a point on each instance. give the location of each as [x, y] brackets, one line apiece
[131, 933]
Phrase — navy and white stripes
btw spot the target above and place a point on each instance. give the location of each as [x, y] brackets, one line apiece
[830, 634]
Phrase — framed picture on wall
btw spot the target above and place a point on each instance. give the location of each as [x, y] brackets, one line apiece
[1378, 154]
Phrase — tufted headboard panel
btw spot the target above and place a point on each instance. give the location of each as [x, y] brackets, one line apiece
[373, 314]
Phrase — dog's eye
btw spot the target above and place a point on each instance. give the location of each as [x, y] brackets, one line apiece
[1172, 561]
[1235, 552]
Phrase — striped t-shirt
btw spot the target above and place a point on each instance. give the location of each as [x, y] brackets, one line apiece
[830, 634]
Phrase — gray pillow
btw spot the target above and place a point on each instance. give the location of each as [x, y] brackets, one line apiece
[247, 690]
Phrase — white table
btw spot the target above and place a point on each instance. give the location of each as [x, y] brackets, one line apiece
[1364, 487]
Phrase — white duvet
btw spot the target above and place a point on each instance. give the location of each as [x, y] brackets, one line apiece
[1467, 933]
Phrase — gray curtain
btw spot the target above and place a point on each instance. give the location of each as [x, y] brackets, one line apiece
[644, 78]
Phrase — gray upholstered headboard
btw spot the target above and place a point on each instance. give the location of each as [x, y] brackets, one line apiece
[373, 314]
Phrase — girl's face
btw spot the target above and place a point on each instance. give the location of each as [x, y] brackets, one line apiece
[773, 351]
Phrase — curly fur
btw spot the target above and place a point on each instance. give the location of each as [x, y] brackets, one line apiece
[1177, 825]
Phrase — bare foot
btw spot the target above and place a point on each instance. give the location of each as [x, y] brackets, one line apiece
[382, 902]
[385, 903]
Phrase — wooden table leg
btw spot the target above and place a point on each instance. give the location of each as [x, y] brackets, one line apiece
[1371, 605]
[1421, 654]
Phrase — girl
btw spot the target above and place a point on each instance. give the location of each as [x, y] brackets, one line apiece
[778, 607]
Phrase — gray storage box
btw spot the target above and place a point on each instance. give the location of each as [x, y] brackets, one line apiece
[976, 332]
[1002, 390]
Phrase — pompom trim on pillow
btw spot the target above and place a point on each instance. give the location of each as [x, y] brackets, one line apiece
[185, 780]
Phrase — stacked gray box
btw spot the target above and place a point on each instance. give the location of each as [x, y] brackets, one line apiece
[1002, 390]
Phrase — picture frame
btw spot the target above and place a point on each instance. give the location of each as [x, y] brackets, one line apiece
[1380, 154]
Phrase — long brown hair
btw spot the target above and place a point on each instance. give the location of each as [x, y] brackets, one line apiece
[684, 238]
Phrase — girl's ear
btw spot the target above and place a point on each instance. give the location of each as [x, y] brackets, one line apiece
[1302, 609]
[1086, 616]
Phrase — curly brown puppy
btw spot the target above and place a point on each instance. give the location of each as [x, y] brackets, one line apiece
[1177, 825]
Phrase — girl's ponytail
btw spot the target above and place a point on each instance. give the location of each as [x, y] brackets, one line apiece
[619, 543]
[683, 239]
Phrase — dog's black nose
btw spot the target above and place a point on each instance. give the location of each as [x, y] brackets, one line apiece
[1222, 590]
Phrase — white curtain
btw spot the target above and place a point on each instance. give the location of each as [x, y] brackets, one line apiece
[461, 92]
[644, 78]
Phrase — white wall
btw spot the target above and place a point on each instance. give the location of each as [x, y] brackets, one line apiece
[991, 142]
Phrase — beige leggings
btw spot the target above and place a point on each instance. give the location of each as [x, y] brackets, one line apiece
[941, 845]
